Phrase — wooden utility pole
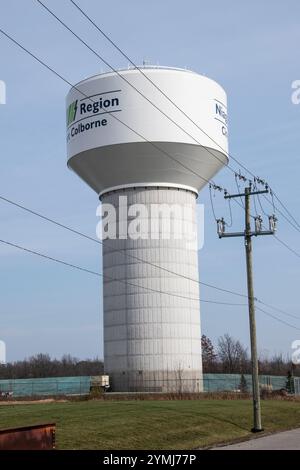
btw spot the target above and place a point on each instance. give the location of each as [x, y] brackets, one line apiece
[248, 234]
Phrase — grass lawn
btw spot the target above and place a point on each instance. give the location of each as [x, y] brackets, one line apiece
[149, 425]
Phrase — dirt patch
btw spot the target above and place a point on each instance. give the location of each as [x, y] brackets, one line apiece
[31, 402]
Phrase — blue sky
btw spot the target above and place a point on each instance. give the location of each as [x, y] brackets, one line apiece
[251, 49]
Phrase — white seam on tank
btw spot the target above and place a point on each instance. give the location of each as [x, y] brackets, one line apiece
[151, 185]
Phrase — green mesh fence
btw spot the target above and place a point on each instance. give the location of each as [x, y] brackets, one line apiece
[232, 382]
[46, 386]
[56, 386]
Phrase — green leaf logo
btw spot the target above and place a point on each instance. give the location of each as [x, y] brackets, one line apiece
[71, 112]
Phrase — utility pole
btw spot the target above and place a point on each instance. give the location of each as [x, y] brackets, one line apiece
[248, 234]
[255, 380]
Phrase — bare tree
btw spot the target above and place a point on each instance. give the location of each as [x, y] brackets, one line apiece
[41, 365]
[179, 378]
[277, 365]
[232, 354]
[209, 357]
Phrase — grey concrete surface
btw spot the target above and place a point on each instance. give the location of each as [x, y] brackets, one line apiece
[287, 440]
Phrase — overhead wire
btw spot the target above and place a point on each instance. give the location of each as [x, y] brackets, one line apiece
[211, 203]
[277, 319]
[230, 214]
[286, 209]
[61, 77]
[113, 43]
[239, 190]
[277, 309]
[126, 125]
[81, 234]
[104, 276]
[122, 77]
[108, 112]
[130, 255]
[122, 281]
[151, 81]
[294, 225]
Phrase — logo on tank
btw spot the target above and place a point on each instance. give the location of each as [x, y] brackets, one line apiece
[84, 114]
[71, 112]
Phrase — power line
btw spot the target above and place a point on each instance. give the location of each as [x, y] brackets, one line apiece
[70, 84]
[153, 83]
[274, 235]
[278, 309]
[261, 207]
[278, 319]
[239, 190]
[95, 240]
[114, 116]
[287, 246]
[292, 250]
[77, 232]
[284, 206]
[154, 145]
[48, 219]
[104, 276]
[79, 268]
[212, 204]
[140, 93]
[83, 269]
[294, 225]
[107, 37]
[132, 86]
[108, 112]
[50, 258]
[74, 86]
[247, 234]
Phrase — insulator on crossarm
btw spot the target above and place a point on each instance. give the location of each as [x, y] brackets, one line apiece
[273, 223]
[258, 223]
[221, 227]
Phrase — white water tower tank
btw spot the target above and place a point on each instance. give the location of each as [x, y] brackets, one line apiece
[126, 150]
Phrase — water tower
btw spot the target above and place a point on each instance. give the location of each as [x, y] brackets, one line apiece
[152, 335]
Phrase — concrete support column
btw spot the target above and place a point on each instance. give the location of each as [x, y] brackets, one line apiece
[152, 340]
